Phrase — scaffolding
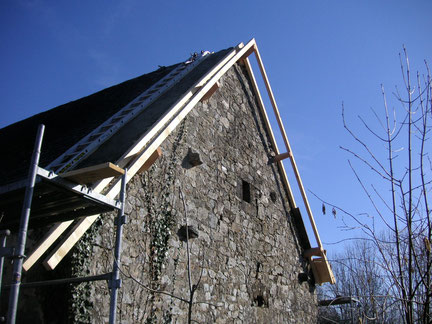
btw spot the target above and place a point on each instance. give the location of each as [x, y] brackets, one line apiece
[58, 199]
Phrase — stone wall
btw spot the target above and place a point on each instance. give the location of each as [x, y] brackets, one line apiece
[215, 170]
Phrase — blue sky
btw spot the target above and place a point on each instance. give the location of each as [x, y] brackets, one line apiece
[317, 54]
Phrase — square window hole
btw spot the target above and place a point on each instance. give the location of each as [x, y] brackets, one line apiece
[246, 191]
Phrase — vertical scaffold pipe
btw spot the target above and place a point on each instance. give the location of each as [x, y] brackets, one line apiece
[115, 282]
[22, 233]
[3, 236]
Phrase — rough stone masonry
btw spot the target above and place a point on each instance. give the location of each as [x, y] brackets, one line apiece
[245, 263]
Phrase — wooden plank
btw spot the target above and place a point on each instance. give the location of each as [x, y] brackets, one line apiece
[182, 107]
[52, 235]
[152, 159]
[171, 112]
[93, 173]
[313, 252]
[53, 259]
[322, 271]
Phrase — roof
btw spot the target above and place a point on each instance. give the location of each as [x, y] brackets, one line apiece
[144, 111]
[65, 124]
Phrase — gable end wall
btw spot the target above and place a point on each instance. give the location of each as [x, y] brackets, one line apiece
[247, 253]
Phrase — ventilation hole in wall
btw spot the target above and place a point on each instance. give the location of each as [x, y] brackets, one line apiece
[273, 196]
[246, 191]
[259, 301]
[194, 158]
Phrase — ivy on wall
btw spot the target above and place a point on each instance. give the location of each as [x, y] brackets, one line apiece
[80, 305]
[160, 220]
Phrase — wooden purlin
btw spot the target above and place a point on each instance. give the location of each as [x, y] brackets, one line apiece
[190, 99]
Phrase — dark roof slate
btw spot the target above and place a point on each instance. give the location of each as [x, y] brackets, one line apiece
[68, 123]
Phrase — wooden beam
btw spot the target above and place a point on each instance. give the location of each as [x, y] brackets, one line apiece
[152, 159]
[177, 106]
[321, 268]
[313, 252]
[53, 259]
[93, 173]
[49, 238]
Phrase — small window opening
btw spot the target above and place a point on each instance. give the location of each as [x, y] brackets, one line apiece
[246, 191]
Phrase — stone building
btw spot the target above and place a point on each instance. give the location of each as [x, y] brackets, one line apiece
[212, 231]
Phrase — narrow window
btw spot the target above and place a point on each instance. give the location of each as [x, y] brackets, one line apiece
[246, 191]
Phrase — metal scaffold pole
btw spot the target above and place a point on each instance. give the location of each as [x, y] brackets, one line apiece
[22, 233]
[115, 282]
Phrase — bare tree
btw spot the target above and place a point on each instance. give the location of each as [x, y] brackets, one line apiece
[398, 187]
[359, 278]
